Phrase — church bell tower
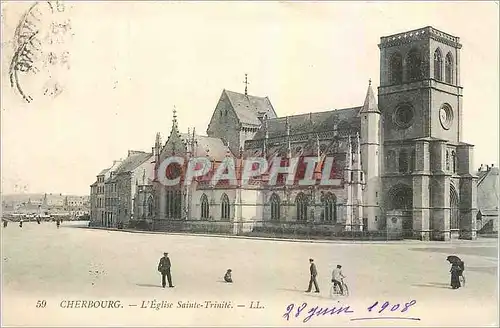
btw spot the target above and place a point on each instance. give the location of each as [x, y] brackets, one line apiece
[427, 167]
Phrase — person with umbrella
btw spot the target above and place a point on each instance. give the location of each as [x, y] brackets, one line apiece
[457, 269]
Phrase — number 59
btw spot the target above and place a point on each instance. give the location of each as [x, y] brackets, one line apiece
[41, 304]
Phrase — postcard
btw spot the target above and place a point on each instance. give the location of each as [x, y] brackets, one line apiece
[247, 164]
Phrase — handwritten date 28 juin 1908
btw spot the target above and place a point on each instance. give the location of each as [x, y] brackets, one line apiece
[377, 310]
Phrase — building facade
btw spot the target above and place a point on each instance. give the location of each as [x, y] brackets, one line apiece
[400, 164]
[99, 216]
[487, 200]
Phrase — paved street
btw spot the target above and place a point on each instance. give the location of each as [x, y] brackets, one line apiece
[41, 262]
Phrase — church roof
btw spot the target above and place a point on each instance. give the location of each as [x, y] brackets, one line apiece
[308, 123]
[247, 107]
[216, 148]
[133, 161]
[487, 190]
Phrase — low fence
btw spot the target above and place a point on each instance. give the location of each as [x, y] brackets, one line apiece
[320, 232]
[288, 230]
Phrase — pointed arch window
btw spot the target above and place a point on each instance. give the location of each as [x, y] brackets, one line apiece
[396, 68]
[205, 207]
[225, 208]
[403, 161]
[275, 207]
[330, 208]
[173, 204]
[414, 65]
[449, 68]
[454, 208]
[438, 65]
[150, 206]
[301, 204]
[453, 161]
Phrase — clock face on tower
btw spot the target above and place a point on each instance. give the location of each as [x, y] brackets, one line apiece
[446, 116]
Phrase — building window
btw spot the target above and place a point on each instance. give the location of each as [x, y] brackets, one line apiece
[454, 208]
[205, 207]
[275, 207]
[447, 160]
[449, 68]
[173, 204]
[301, 204]
[403, 161]
[438, 65]
[225, 209]
[150, 206]
[453, 161]
[330, 208]
[413, 65]
[396, 69]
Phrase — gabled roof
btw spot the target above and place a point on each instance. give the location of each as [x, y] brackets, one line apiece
[247, 107]
[104, 171]
[487, 190]
[133, 161]
[308, 123]
[217, 148]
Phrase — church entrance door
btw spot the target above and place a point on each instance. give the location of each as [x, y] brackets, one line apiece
[400, 198]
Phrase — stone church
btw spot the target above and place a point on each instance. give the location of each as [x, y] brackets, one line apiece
[400, 165]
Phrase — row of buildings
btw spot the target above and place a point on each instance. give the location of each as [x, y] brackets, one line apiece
[401, 167]
[47, 204]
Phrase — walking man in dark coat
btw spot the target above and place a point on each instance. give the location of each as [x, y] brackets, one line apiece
[164, 269]
[312, 280]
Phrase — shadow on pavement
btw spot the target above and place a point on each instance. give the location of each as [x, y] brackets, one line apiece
[148, 285]
[434, 285]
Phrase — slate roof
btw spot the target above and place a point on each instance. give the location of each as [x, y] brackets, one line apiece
[487, 191]
[217, 148]
[132, 162]
[309, 123]
[104, 171]
[247, 108]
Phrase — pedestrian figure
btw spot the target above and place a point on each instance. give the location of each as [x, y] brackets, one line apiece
[38, 220]
[58, 223]
[227, 276]
[457, 269]
[21, 223]
[5, 223]
[455, 276]
[164, 269]
[312, 280]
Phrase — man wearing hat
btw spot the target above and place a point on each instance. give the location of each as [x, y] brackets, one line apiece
[312, 280]
[164, 269]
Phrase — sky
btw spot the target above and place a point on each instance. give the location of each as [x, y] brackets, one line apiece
[131, 62]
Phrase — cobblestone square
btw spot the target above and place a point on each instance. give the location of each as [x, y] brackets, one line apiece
[43, 263]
